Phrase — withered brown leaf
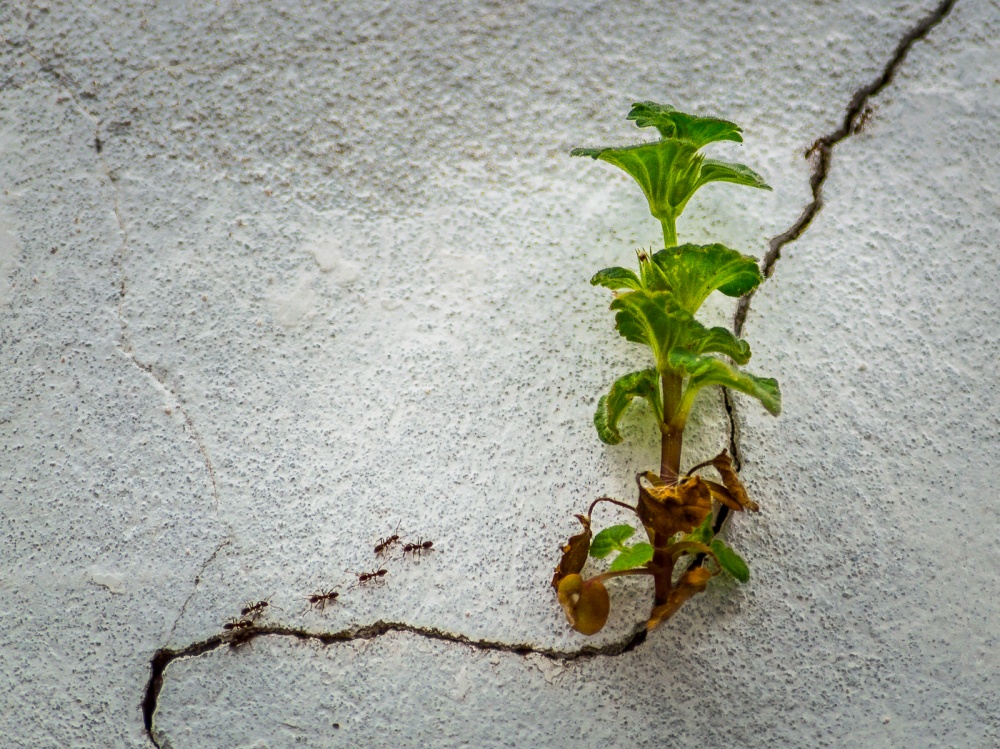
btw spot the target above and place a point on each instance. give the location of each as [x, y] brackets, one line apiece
[691, 584]
[666, 509]
[574, 553]
[731, 480]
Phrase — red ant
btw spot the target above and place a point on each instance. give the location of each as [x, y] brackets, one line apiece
[321, 599]
[256, 609]
[364, 577]
[384, 544]
[418, 548]
[237, 624]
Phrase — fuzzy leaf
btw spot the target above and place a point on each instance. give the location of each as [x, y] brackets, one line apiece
[721, 341]
[633, 557]
[655, 319]
[730, 561]
[673, 124]
[708, 370]
[692, 272]
[723, 171]
[610, 539]
[616, 278]
[667, 171]
[610, 407]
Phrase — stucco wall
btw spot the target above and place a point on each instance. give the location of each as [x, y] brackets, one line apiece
[274, 279]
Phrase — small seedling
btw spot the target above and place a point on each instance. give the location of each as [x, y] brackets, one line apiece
[656, 306]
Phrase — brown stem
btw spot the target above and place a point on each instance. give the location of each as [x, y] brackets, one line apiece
[622, 573]
[663, 566]
[593, 504]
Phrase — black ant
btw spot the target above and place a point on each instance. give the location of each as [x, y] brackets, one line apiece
[321, 599]
[364, 577]
[256, 608]
[418, 548]
[384, 544]
[237, 624]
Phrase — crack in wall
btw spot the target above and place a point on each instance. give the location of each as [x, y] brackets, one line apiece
[165, 656]
[125, 342]
[197, 581]
[821, 153]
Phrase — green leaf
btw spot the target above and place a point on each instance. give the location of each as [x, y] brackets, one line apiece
[694, 271]
[673, 124]
[722, 341]
[655, 319]
[724, 171]
[636, 556]
[704, 533]
[610, 539]
[616, 278]
[708, 370]
[643, 384]
[730, 561]
[666, 170]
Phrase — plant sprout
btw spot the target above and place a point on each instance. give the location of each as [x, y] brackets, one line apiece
[656, 306]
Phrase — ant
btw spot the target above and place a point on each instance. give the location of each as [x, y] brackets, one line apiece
[864, 120]
[321, 599]
[256, 609]
[237, 624]
[418, 548]
[384, 544]
[364, 577]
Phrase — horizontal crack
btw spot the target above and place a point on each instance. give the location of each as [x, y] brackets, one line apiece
[165, 656]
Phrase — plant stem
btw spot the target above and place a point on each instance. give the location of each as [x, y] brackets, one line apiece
[673, 435]
[669, 232]
[608, 499]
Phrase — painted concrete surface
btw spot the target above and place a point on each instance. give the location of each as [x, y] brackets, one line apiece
[277, 279]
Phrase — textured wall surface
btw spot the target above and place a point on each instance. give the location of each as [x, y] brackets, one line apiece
[275, 279]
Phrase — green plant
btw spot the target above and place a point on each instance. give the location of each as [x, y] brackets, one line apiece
[656, 306]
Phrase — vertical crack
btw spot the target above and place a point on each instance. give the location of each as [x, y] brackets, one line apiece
[821, 155]
[125, 340]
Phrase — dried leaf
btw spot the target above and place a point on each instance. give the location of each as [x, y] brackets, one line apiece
[666, 509]
[585, 602]
[724, 466]
[691, 584]
[574, 553]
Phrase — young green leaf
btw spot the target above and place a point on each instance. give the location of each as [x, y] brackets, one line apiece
[667, 171]
[692, 272]
[616, 278]
[643, 384]
[708, 370]
[699, 131]
[703, 534]
[610, 539]
[631, 558]
[655, 319]
[724, 171]
[730, 561]
[721, 341]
